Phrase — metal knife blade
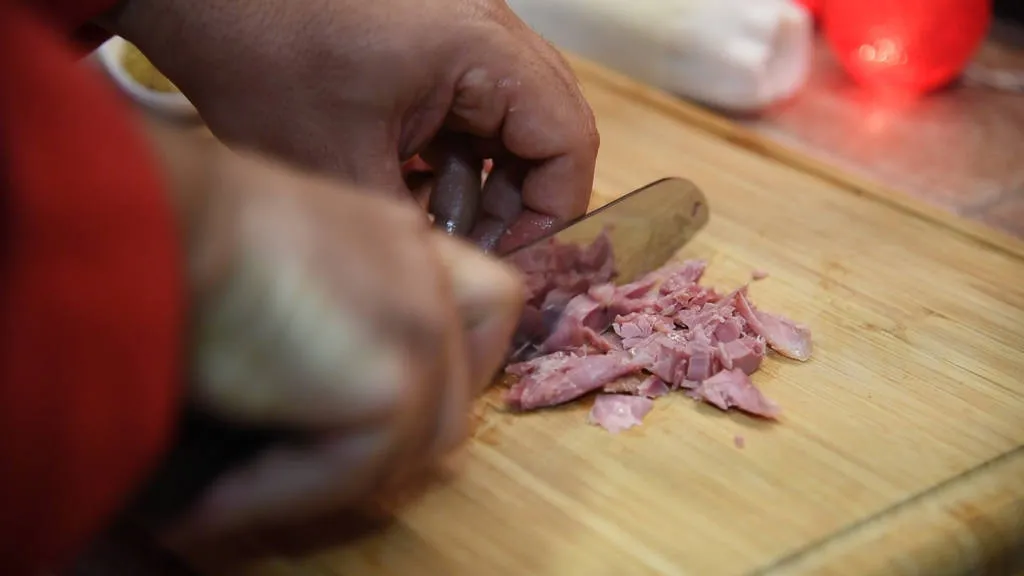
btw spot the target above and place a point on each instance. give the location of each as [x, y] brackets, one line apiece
[646, 227]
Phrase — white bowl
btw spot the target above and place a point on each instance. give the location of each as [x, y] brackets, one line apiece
[111, 58]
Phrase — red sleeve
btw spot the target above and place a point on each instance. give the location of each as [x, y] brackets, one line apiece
[91, 301]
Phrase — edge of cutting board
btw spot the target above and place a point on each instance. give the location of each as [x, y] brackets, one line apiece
[729, 131]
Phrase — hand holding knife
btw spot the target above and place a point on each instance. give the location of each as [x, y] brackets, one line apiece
[646, 228]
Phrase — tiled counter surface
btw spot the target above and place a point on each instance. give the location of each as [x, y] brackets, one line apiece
[961, 149]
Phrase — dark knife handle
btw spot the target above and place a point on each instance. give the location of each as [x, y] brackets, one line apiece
[205, 447]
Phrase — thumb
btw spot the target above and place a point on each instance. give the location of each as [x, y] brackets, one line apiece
[489, 296]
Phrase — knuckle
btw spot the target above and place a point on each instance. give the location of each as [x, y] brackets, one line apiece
[592, 136]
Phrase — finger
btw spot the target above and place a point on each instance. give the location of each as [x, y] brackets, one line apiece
[489, 297]
[432, 417]
[500, 206]
[289, 484]
[545, 120]
[557, 131]
[528, 227]
[501, 197]
[455, 198]
[482, 99]
[274, 316]
[560, 187]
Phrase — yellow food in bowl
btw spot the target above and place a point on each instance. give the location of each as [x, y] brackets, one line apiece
[142, 70]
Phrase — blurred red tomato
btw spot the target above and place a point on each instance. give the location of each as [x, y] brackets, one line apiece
[909, 45]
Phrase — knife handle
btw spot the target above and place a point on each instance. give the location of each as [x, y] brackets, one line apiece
[205, 447]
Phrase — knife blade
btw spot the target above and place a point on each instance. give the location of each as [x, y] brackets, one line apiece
[646, 228]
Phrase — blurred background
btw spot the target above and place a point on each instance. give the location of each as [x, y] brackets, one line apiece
[923, 96]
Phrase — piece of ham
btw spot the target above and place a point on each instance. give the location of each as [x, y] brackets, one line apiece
[649, 386]
[733, 389]
[564, 378]
[617, 412]
[665, 331]
[783, 335]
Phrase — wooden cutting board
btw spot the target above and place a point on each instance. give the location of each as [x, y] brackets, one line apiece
[901, 446]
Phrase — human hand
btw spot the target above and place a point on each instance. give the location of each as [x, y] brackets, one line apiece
[333, 312]
[354, 88]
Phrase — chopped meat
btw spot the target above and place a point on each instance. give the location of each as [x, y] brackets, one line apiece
[758, 274]
[731, 388]
[701, 366]
[635, 327]
[739, 441]
[554, 275]
[784, 336]
[617, 412]
[549, 382]
[637, 385]
[652, 387]
[580, 333]
[613, 340]
[664, 355]
[627, 385]
[550, 265]
[581, 313]
[729, 329]
[744, 353]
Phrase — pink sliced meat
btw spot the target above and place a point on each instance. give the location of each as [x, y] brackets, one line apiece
[701, 364]
[743, 353]
[649, 386]
[616, 412]
[614, 340]
[730, 329]
[567, 380]
[679, 276]
[663, 355]
[569, 333]
[625, 385]
[784, 336]
[639, 289]
[665, 331]
[733, 389]
[540, 365]
[652, 387]
[634, 328]
[603, 294]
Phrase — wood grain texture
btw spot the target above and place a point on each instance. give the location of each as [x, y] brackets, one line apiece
[900, 446]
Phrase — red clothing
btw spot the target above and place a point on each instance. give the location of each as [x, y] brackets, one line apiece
[91, 294]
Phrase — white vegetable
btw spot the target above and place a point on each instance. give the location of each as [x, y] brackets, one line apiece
[738, 55]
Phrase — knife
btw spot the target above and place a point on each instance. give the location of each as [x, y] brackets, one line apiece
[646, 228]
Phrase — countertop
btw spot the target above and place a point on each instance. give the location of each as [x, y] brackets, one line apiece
[960, 149]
